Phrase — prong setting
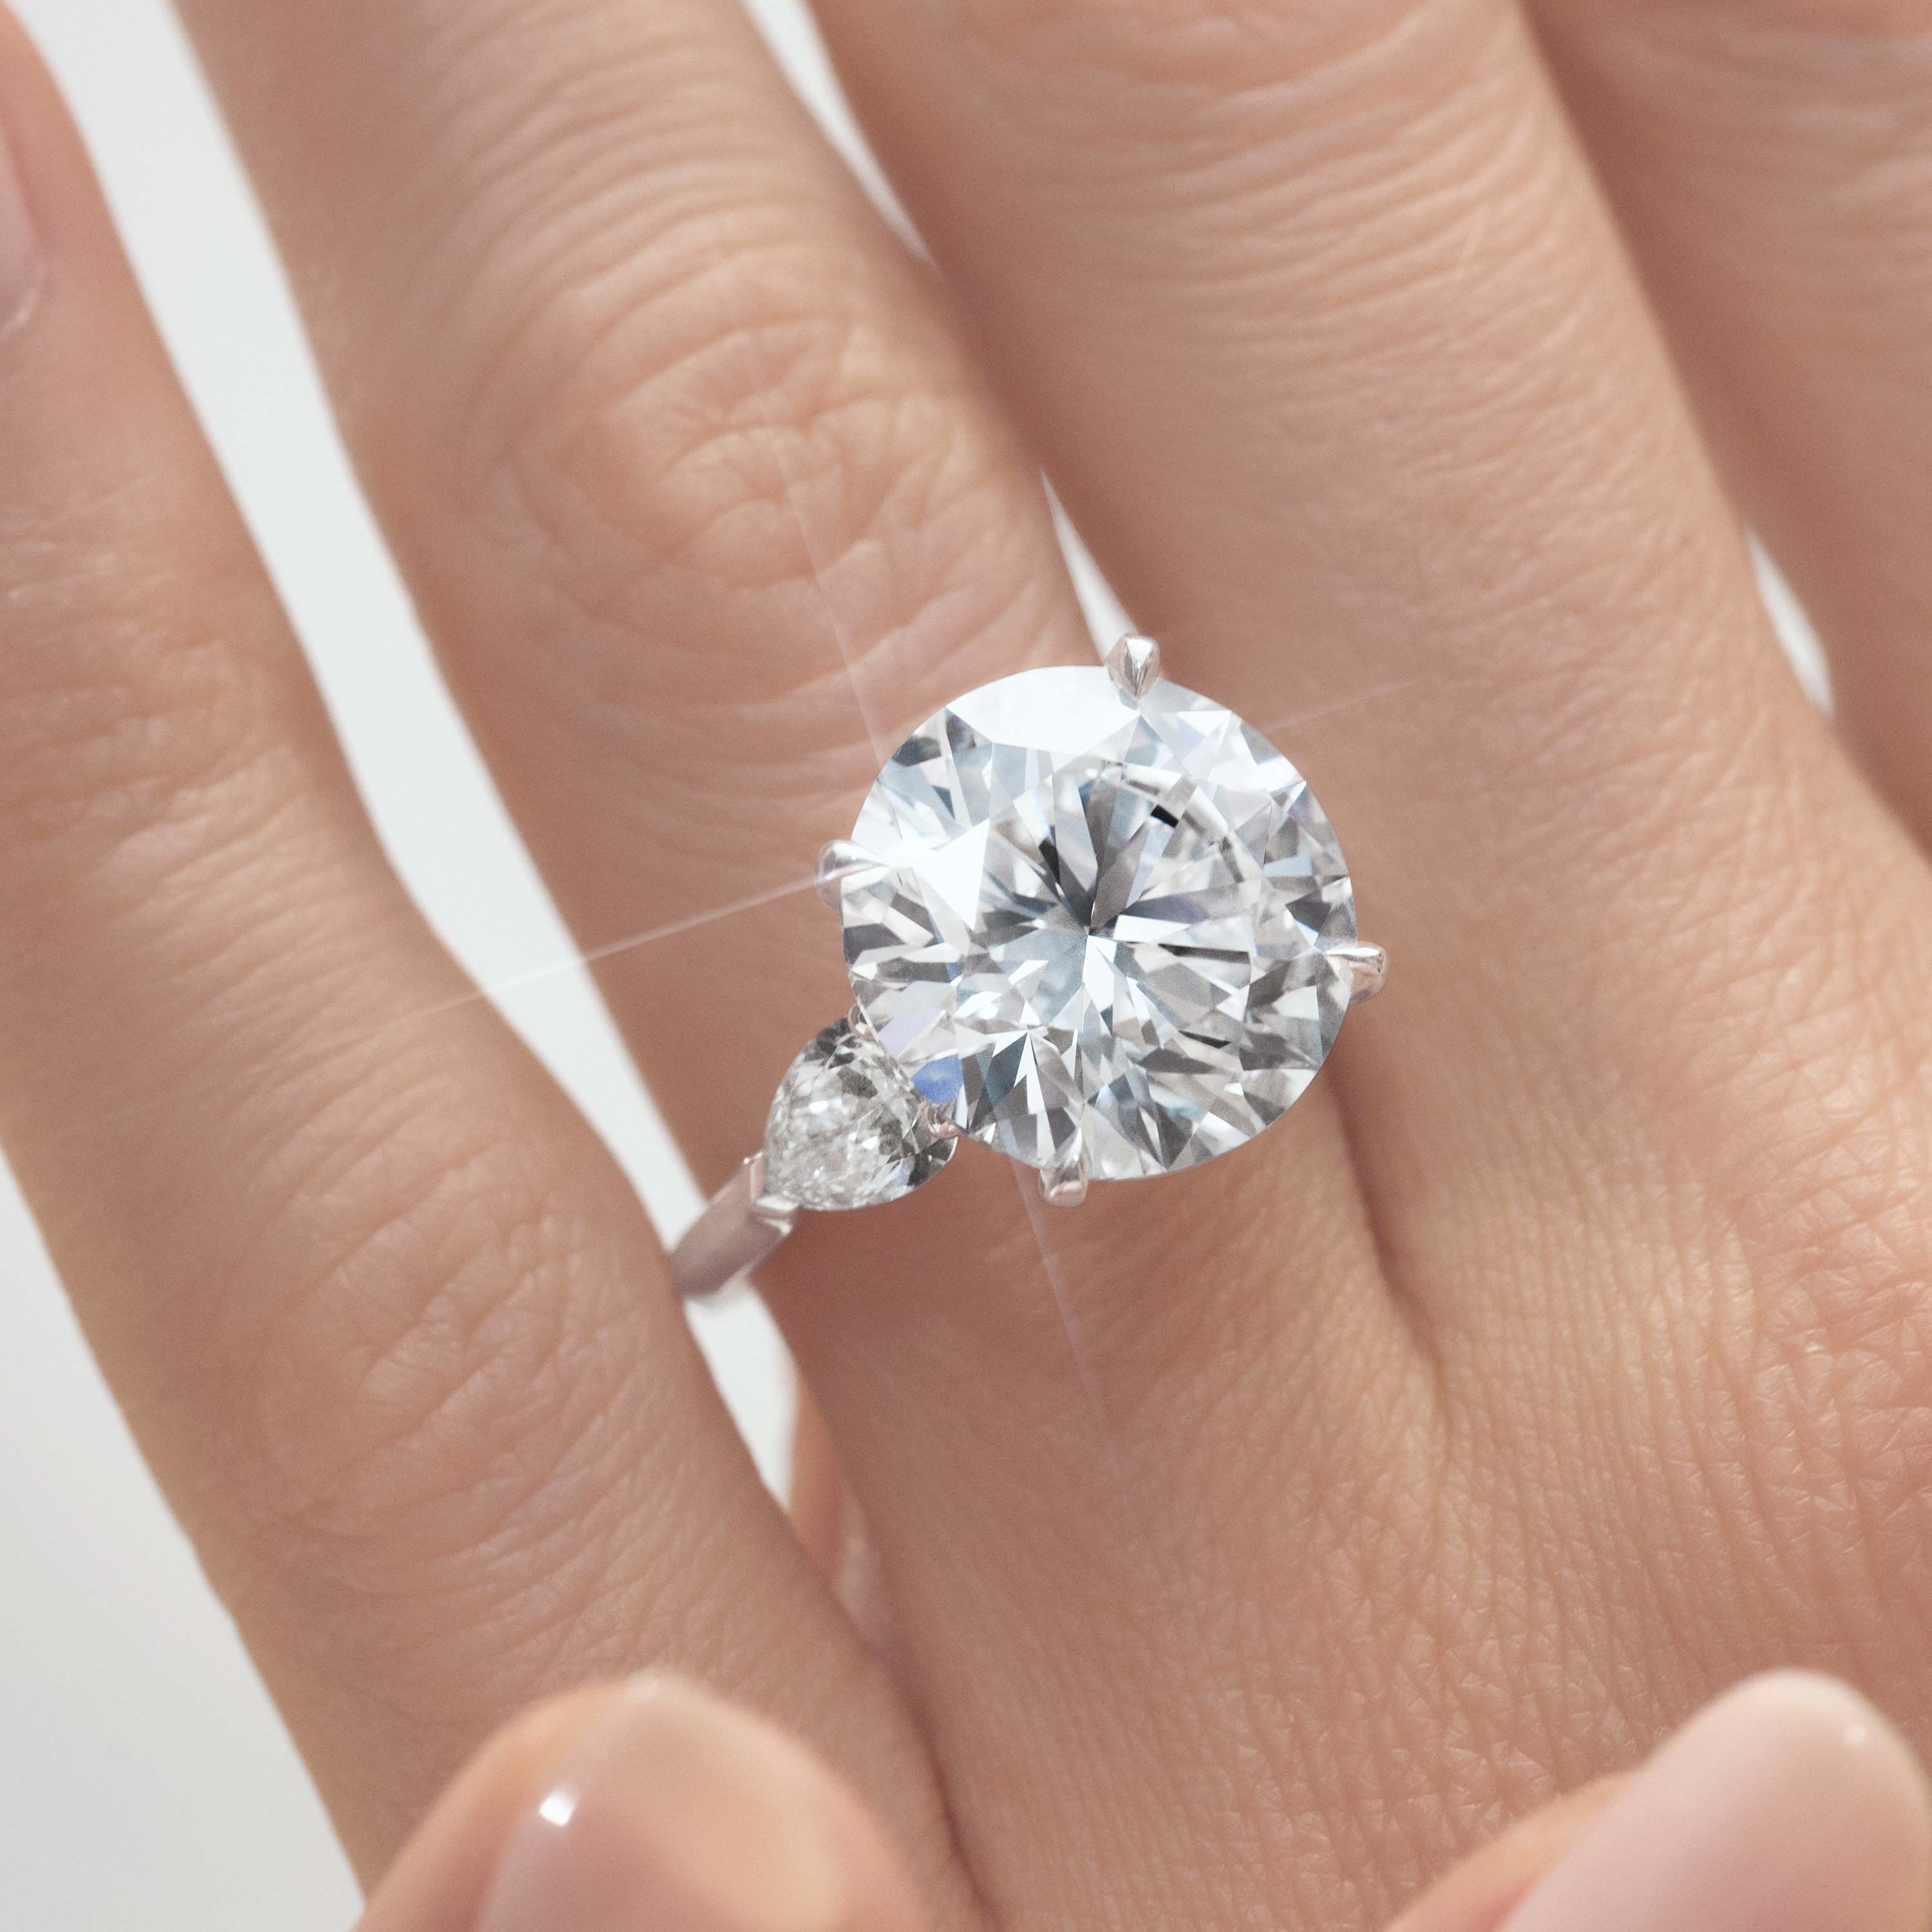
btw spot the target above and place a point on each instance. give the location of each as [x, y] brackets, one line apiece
[1063, 1182]
[778, 1212]
[1368, 968]
[939, 957]
[1134, 663]
[839, 863]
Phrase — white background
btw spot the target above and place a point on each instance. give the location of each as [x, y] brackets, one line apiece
[146, 1783]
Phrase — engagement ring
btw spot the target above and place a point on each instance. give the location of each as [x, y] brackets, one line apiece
[1091, 919]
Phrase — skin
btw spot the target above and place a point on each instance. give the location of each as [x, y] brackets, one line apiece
[1245, 1547]
[449, 1877]
[1788, 1804]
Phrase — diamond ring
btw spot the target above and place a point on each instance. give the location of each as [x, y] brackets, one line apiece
[1091, 919]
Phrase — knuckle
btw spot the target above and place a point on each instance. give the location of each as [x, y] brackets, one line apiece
[740, 438]
[1822, 1354]
[758, 460]
[1718, 79]
[1840, 1432]
[128, 691]
[1107, 62]
[414, 1393]
[714, 443]
[1799, 26]
[744, 485]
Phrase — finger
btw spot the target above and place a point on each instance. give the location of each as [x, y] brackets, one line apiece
[440, 1879]
[391, 1328]
[651, 1803]
[1773, 166]
[1339, 365]
[1789, 1805]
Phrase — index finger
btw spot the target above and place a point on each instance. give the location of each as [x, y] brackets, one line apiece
[387, 1322]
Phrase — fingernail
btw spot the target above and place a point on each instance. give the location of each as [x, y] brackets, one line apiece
[676, 1812]
[1788, 1804]
[19, 248]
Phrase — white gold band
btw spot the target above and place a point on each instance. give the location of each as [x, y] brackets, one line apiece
[740, 1227]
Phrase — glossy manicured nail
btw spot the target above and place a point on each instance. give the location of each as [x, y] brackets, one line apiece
[1788, 1805]
[19, 248]
[677, 1813]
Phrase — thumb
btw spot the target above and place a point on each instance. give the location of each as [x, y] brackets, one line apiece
[648, 1803]
[1788, 1805]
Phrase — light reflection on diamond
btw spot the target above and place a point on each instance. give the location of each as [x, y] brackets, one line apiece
[1101, 919]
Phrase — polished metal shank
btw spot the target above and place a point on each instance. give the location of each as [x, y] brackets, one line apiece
[741, 1226]
[1368, 968]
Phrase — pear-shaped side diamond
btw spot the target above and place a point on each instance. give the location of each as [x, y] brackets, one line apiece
[847, 1130]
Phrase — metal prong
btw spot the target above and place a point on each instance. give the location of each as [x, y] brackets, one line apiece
[778, 1212]
[1368, 968]
[839, 862]
[1064, 1183]
[942, 1127]
[856, 1020]
[1133, 664]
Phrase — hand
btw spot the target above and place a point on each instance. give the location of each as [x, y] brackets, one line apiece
[1788, 1806]
[1258, 1543]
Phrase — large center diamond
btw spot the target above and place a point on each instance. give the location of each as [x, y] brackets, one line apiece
[1100, 921]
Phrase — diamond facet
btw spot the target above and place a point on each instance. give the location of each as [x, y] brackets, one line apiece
[847, 1130]
[1100, 923]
